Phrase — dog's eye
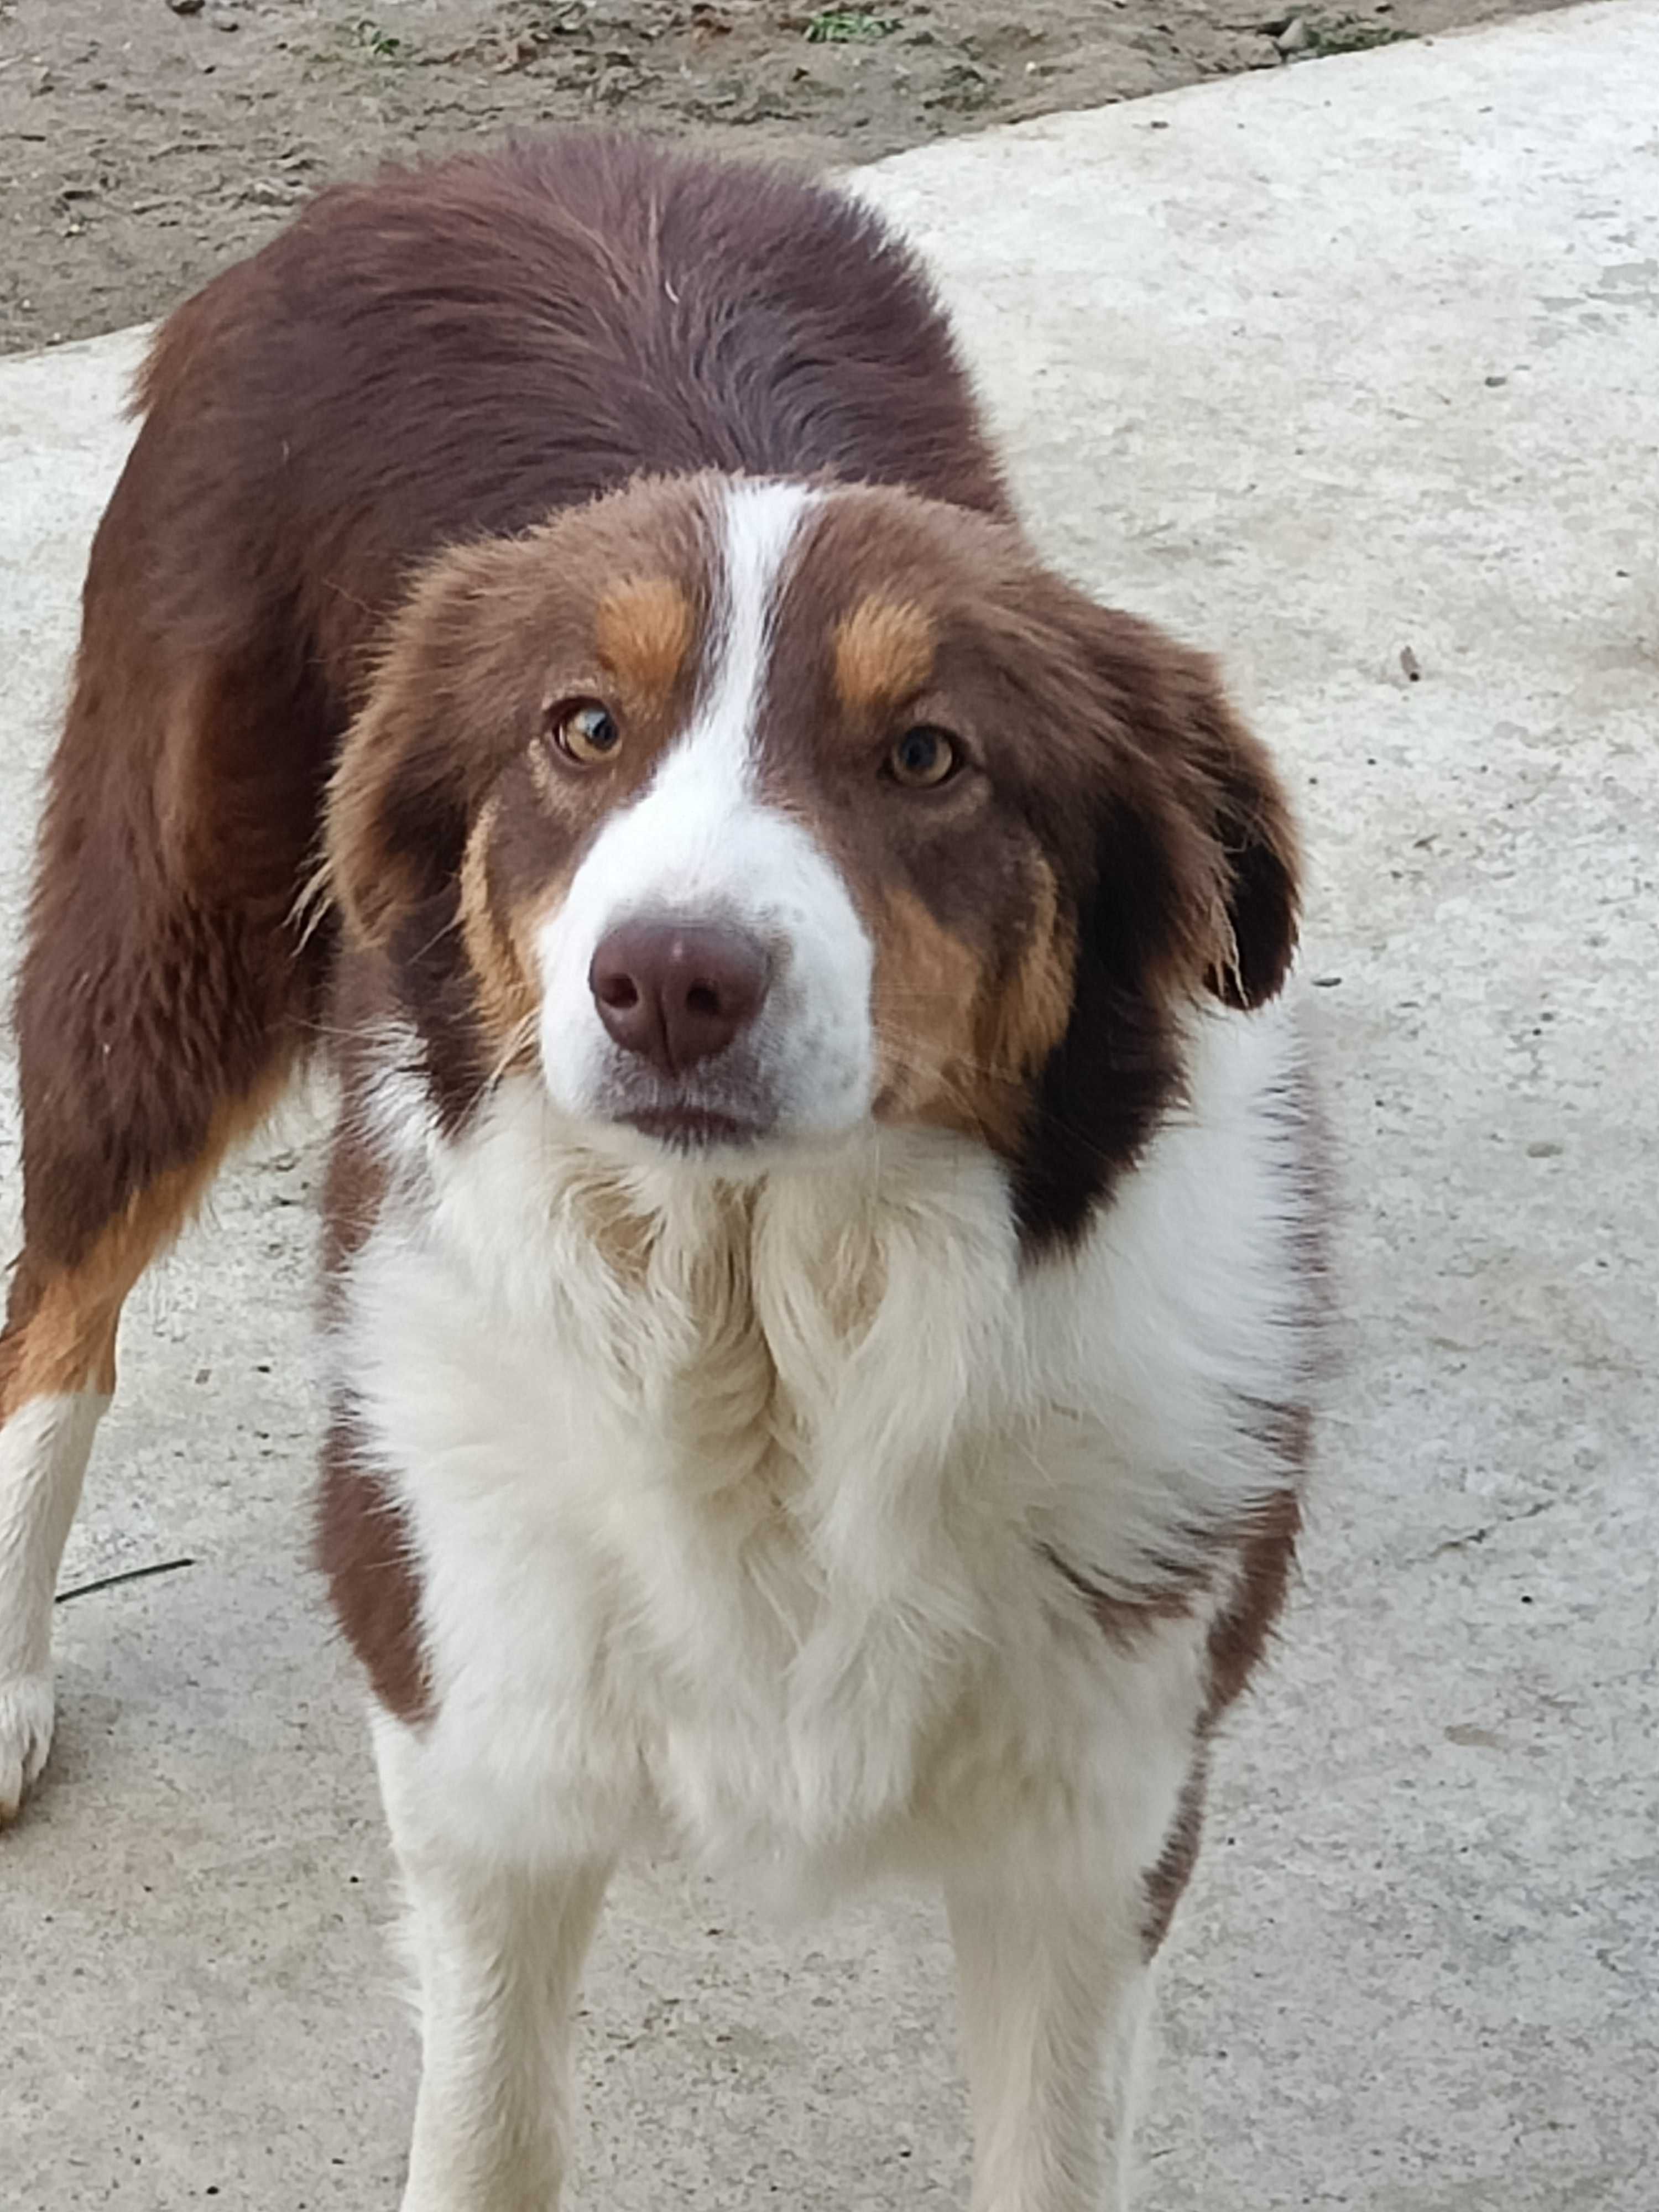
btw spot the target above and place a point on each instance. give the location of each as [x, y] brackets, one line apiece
[584, 730]
[923, 756]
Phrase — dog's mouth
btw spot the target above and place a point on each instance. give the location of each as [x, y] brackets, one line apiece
[719, 1107]
[691, 1128]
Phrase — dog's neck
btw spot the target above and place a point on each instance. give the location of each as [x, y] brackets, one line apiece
[856, 1310]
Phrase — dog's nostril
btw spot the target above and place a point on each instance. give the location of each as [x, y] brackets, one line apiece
[703, 999]
[620, 991]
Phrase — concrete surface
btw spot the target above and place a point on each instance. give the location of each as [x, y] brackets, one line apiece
[1320, 367]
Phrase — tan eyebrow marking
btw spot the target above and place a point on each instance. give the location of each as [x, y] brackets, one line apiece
[884, 652]
[642, 629]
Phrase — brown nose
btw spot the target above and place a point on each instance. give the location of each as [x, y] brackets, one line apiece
[677, 993]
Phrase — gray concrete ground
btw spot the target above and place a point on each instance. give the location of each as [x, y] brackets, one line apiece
[1348, 367]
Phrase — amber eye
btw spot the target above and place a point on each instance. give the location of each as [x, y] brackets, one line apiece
[584, 730]
[923, 756]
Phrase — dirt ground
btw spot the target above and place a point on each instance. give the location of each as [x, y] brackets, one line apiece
[144, 143]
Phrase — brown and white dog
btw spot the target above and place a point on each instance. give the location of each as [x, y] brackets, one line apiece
[820, 1288]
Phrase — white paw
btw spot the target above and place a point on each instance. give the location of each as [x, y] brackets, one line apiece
[24, 1737]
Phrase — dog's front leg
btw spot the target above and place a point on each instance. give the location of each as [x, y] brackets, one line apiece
[1053, 1992]
[499, 1955]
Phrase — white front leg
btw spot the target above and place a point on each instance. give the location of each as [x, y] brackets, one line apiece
[499, 1956]
[1054, 1996]
[43, 1455]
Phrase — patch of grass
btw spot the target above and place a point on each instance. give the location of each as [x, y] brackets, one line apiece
[381, 45]
[845, 26]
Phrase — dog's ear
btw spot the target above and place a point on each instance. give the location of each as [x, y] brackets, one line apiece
[1248, 932]
[448, 700]
[1196, 810]
[1176, 845]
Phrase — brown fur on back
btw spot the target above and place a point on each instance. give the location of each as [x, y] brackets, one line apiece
[442, 356]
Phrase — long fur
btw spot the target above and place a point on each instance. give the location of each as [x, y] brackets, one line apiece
[869, 1443]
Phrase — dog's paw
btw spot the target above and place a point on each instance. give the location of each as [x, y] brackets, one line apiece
[24, 1737]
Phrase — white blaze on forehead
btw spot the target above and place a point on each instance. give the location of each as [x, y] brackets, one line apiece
[700, 842]
[759, 523]
[673, 847]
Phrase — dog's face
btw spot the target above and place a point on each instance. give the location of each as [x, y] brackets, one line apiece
[758, 812]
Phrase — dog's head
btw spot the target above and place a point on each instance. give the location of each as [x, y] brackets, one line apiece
[757, 812]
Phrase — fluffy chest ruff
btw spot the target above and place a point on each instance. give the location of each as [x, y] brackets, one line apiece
[802, 1523]
[817, 1302]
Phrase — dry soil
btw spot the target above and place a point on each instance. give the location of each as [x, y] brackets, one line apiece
[144, 143]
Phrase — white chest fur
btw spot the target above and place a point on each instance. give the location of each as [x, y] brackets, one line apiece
[735, 1508]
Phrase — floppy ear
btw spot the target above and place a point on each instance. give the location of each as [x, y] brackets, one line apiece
[1205, 791]
[449, 701]
[1241, 805]
[1176, 850]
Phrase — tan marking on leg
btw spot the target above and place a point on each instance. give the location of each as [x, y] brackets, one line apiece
[69, 1345]
[67, 1341]
[884, 655]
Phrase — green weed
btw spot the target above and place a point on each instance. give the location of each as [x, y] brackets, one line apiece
[845, 27]
[381, 45]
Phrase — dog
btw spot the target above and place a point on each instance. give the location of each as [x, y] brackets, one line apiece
[820, 1275]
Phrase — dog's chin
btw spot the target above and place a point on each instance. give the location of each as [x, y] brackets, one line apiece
[737, 1144]
[693, 1129]
[732, 1124]
[733, 1120]
[731, 1146]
